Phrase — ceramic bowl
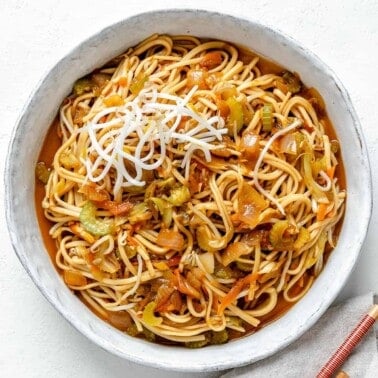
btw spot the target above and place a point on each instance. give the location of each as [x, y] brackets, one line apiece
[43, 104]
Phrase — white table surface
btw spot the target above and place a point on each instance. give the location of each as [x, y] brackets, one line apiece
[35, 341]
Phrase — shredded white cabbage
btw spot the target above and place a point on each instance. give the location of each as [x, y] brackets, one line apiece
[139, 131]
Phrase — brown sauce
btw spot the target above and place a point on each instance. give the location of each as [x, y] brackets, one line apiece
[49, 147]
[52, 142]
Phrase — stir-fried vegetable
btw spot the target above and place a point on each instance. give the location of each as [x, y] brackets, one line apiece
[132, 330]
[116, 208]
[139, 213]
[211, 59]
[149, 316]
[174, 303]
[137, 83]
[179, 196]
[163, 296]
[267, 117]
[79, 231]
[95, 82]
[288, 144]
[235, 118]
[42, 172]
[90, 258]
[198, 178]
[234, 251]
[101, 198]
[223, 272]
[108, 263]
[222, 107]
[220, 337]
[319, 165]
[69, 160]
[204, 237]
[292, 81]
[98, 227]
[73, 278]
[244, 267]
[184, 287]
[94, 193]
[282, 235]
[227, 91]
[197, 77]
[113, 100]
[195, 277]
[157, 186]
[308, 178]
[83, 85]
[250, 205]
[100, 79]
[331, 172]
[250, 147]
[131, 251]
[120, 319]
[197, 344]
[165, 209]
[170, 239]
[231, 296]
[322, 212]
[302, 239]
[207, 260]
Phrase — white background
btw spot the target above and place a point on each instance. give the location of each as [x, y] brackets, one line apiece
[35, 341]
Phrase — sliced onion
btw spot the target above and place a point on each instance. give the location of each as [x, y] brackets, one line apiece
[73, 278]
[250, 205]
[234, 251]
[207, 260]
[170, 239]
[288, 144]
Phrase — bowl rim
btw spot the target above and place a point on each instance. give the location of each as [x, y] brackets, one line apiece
[98, 340]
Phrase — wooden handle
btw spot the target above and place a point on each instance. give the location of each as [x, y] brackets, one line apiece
[374, 312]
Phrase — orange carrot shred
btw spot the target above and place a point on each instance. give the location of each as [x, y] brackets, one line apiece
[331, 172]
[322, 212]
[236, 290]
[122, 81]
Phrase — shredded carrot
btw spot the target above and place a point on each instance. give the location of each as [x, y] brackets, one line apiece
[174, 261]
[94, 192]
[122, 81]
[74, 278]
[131, 241]
[184, 287]
[79, 231]
[161, 265]
[331, 172]
[216, 302]
[211, 59]
[116, 208]
[235, 291]
[322, 212]
[95, 270]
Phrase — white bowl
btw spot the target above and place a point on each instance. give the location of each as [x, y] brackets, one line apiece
[32, 126]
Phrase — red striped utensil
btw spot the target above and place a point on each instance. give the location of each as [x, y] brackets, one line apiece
[344, 350]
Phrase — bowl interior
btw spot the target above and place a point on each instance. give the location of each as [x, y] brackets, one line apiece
[39, 113]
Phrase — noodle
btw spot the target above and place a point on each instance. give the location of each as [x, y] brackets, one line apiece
[192, 191]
